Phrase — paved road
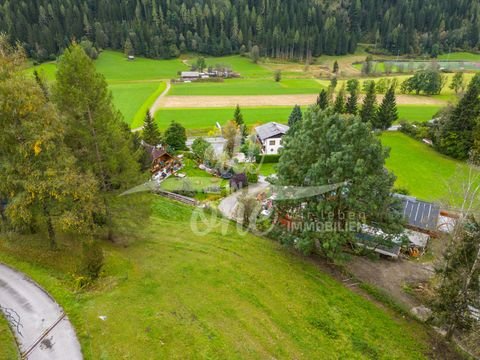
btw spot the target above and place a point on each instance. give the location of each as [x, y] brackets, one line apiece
[228, 205]
[157, 104]
[40, 325]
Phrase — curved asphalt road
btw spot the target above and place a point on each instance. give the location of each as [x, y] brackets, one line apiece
[41, 327]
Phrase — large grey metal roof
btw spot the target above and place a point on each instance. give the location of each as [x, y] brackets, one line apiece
[420, 214]
[271, 129]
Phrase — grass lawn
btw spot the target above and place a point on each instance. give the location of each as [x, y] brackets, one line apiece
[420, 169]
[248, 87]
[268, 169]
[417, 113]
[196, 119]
[173, 293]
[8, 346]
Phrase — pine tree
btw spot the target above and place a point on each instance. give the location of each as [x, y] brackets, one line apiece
[339, 104]
[335, 67]
[331, 149]
[238, 118]
[351, 107]
[458, 132]
[387, 113]
[176, 137]
[369, 108]
[151, 135]
[460, 278]
[457, 82]
[95, 131]
[322, 100]
[296, 116]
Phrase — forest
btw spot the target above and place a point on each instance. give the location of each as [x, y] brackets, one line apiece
[289, 29]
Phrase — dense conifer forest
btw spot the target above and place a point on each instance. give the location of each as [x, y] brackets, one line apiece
[293, 29]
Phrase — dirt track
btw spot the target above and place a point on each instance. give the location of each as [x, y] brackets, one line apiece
[270, 100]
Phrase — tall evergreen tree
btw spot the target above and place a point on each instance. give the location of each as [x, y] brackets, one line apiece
[339, 104]
[176, 137]
[151, 135]
[458, 130]
[387, 113]
[327, 149]
[95, 131]
[295, 116]
[238, 118]
[322, 100]
[335, 67]
[369, 108]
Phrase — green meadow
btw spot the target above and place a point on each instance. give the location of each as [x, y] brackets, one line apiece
[248, 87]
[216, 294]
[198, 120]
[421, 170]
[240, 64]
[459, 56]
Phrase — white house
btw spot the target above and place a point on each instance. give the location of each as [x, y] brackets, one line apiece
[270, 137]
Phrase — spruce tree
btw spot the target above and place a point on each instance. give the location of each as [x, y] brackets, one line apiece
[95, 131]
[322, 100]
[387, 113]
[369, 108]
[295, 116]
[151, 135]
[176, 137]
[339, 104]
[238, 118]
[330, 149]
[351, 107]
[335, 67]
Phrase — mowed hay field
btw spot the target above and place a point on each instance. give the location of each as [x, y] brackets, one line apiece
[8, 346]
[248, 87]
[200, 121]
[175, 294]
[421, 170]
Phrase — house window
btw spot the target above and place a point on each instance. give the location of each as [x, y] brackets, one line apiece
[272, 142]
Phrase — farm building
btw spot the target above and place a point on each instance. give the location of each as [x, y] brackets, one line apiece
[190, 75]
[420, 215]
[270, 137]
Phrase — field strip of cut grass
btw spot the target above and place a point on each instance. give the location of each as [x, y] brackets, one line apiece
[248, 87]
[459, 56]
[421, 170]
[8, 346]
[173, 293]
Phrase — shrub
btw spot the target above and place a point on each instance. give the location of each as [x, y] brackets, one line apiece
[91, 264]
[267, 159]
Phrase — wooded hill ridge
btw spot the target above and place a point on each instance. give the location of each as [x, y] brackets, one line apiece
[291, 29]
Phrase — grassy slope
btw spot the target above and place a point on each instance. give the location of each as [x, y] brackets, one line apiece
[460, 56]
[174, 294]
[8, 346]
[420, 169]
[128, 98]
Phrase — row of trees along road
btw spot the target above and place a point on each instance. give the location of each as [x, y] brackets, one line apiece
[280, 28]
[63, 151]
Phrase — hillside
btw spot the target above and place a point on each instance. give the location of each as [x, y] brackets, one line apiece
[174, 294]
[293, 29]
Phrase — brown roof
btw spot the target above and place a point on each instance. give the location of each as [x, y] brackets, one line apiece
[155, 152]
